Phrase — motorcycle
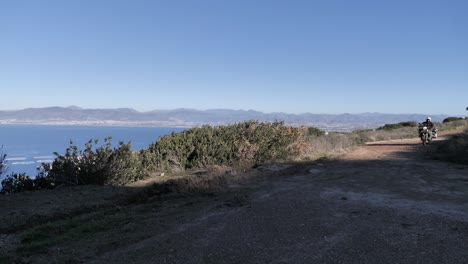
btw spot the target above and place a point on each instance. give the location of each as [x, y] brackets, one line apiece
[426, 134]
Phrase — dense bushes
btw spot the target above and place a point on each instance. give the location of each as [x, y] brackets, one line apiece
[93, 165]
[225, 145]
[19, 182]
[313, 131]
[398, 125]
[97, 165]
[451, 119]
[244, 143]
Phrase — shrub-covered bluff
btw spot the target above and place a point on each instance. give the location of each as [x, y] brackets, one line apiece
[244, 144]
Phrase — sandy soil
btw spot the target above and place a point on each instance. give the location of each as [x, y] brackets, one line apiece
[384, 202]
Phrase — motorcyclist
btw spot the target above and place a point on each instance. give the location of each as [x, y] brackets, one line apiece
[431, 126]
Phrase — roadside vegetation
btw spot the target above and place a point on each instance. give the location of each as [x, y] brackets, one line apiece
[245, 145]
[453, 124]
[451, 119]
[455, 149]
[101, 165]
[387, 132]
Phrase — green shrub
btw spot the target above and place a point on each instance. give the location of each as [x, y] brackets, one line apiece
[313, 131]
[97, 165]
[451, 119]
[250, 141]
[19, 182]
[398, 125]
[42, 181]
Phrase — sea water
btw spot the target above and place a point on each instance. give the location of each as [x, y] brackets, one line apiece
[28, 146]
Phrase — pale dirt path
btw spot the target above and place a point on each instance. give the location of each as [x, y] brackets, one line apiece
[381, 203]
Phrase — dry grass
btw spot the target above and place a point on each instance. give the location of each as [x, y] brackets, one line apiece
[454, 125]
[382, 135]
[336, 143]
[327, 146]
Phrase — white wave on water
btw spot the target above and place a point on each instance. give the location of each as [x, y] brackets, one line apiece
[43, 157]
[45, 161]
[13, 159]
[22, 163]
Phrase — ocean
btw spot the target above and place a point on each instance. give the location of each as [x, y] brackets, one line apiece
[27, 146]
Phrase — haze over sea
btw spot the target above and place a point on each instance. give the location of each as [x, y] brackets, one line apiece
[27, 146]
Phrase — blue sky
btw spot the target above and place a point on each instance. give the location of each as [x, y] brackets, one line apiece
[325, 56]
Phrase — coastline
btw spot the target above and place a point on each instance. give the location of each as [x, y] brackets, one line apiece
[168, 124]
[107, 123]
[27, 143]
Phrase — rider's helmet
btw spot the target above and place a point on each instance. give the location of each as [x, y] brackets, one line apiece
[428, 118]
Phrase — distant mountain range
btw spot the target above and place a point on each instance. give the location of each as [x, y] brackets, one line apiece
[74, 115]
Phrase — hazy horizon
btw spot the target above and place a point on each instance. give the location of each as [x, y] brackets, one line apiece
[212, 109]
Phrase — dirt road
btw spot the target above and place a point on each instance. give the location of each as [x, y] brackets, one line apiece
[381, 203]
